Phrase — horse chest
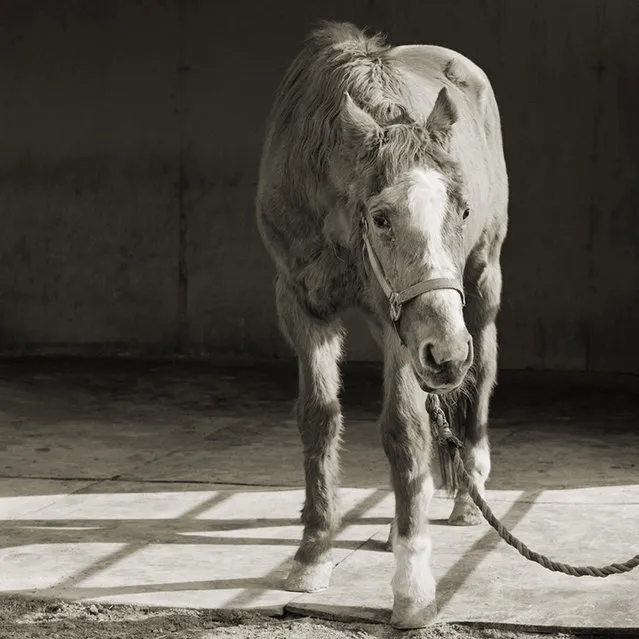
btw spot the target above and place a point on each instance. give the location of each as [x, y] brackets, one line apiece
[327, 280]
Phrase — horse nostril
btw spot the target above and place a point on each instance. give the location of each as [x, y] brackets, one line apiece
[428, 356]
[436, 357]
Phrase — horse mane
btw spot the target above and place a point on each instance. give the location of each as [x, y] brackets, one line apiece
[338, 58]
[335, 58]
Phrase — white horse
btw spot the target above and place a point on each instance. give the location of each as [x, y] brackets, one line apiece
[383, 186]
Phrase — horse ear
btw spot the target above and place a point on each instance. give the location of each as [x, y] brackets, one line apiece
[441, 119]
[358, 125]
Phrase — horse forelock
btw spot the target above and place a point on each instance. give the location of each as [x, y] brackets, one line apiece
[335, 58]
[407, 146]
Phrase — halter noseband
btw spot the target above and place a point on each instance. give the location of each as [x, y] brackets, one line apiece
[398, 299]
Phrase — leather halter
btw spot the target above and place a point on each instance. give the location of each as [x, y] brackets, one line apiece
[398, 299]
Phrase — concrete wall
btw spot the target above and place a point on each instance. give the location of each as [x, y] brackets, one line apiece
[129, 140]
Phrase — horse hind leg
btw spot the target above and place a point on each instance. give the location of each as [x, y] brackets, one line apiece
[483, 304]
[318, 345]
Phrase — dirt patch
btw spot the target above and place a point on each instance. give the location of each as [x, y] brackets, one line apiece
[22, 618]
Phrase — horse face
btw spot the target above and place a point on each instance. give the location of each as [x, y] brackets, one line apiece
[416, 230]
[416, 215]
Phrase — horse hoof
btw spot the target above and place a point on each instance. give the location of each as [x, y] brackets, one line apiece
[465, 514]
[408, 615]
[309, 577]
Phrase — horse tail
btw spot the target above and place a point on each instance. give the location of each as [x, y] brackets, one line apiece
[456, 407]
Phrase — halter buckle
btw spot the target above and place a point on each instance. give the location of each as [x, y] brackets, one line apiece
[395, 307]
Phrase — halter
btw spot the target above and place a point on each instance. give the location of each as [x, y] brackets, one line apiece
[398, 299]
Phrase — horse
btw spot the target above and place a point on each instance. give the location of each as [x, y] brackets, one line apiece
[383, 186]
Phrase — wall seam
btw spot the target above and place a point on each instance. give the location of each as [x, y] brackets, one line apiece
[593, 209]
[182, 187]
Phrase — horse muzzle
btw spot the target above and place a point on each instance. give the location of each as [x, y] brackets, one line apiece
[442, 367]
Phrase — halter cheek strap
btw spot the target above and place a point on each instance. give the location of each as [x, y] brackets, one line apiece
[398, 299]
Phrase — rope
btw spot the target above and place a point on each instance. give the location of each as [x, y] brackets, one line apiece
[445, 437]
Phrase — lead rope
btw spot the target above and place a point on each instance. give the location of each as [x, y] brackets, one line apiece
[445, 437]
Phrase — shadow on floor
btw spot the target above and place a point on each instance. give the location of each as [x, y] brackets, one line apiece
[93, 429]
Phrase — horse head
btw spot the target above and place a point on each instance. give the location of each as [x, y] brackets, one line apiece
[409, 198]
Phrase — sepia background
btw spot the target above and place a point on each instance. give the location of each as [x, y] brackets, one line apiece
[130, 135]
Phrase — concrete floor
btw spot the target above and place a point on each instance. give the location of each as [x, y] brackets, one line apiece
[181, 485]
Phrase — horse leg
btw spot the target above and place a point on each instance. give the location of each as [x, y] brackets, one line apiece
[484, 295]
[406, 440]
[318, 345]
[377, 333]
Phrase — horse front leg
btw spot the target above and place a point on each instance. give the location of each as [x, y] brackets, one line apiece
[318, 345]
[482, 307]
[406, 439]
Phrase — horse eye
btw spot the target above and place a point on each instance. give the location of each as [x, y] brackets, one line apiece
[465, 214]
[381, 221]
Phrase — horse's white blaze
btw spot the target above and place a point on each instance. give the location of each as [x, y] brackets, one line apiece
[413, 578]
[427, 201]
